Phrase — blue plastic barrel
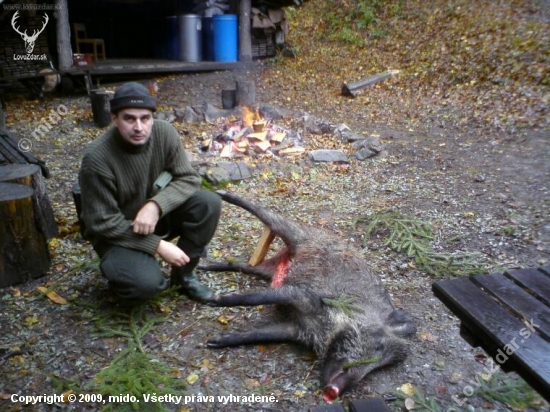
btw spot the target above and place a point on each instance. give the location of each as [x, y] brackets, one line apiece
[225, 38]
[208, 38]
[171, 44]
[190, 35]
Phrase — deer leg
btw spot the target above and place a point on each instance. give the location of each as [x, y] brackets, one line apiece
[259, 271]
[277, 333]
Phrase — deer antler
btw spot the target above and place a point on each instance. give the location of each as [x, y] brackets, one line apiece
[17, 28]
[35, 32]
[35, 35]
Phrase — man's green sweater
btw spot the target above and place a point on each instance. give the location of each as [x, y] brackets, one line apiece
[116, 179]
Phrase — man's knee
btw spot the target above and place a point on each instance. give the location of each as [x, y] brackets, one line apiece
[210, 200]
[132, 274]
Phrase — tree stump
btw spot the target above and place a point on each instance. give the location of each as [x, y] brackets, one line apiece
[25, 253]
[246, 93]
[30, 175]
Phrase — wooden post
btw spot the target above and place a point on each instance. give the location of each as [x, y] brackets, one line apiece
[262, 247]
[246, 93]
[63, 27]
[245, 36]
[2, 116]
[31, 176]
[25, 253]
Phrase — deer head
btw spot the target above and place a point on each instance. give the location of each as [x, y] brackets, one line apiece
[29, 40]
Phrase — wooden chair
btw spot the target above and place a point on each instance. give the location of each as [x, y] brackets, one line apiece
[81, 37]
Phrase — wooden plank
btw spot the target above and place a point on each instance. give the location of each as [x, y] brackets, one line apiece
[545, 270]
[262, 247]
[27, 156]
[496, 327]
[10, 153]
[518, 300]
[533, 280]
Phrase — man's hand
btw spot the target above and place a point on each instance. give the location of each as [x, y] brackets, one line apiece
[146, 219]
[172, 254]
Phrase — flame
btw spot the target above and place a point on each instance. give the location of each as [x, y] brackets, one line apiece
[250, 116]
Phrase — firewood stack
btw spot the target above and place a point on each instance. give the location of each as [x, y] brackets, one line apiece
[253, 135]
[210, 8]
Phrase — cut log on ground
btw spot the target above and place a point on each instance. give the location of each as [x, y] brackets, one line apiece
[31, 176]
[352, 89]
[25, 253]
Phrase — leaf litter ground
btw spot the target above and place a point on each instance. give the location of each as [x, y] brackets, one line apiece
[464, 154]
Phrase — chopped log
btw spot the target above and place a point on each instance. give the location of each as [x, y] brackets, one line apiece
[31, 176]
[352, 89]
[261, 147]
[245, 94]
[226, 151]
[292, 151]
[25, 253]
[277, 137]
[262, 247]
[257, 136]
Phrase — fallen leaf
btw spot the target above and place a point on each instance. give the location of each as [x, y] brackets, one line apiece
[299, 394]
[427, 336]
[251, 383]
[409, 404]
[192, 378]
[408, 389]
[54, 297]
[31, 320]
[65, 395]
[223, 319]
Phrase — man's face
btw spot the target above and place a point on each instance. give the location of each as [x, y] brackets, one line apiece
[134, 125]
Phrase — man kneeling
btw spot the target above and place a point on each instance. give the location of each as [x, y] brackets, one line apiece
[139, 191]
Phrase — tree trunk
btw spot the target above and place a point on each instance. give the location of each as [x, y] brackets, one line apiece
[245, 39]
[25, 253]
[31, 176]
[246, 93]
[64, 49]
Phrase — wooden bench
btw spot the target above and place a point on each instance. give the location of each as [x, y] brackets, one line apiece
[508, 315]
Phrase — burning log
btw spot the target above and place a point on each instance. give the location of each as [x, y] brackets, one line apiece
[252, 134]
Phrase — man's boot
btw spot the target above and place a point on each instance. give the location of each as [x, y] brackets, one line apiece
[186, 278]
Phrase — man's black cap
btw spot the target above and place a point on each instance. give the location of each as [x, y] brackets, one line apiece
[133, 95]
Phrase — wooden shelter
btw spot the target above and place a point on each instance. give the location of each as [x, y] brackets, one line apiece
[130, 32]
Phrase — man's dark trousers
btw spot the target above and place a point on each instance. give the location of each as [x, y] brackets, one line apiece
[136, 275]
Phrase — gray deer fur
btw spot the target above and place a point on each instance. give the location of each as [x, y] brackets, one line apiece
[329, 302]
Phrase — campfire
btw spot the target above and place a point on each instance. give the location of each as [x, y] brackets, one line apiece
[253, 135]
